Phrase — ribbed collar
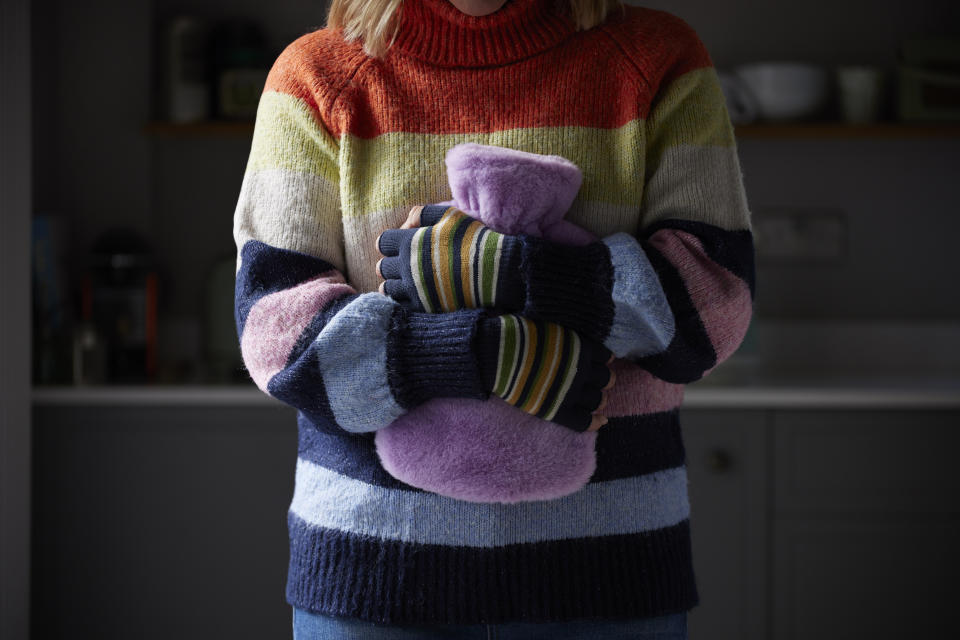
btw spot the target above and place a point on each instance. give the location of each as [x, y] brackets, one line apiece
[437, 32]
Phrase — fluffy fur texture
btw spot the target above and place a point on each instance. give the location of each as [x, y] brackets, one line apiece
[490, 451]
[516, 192]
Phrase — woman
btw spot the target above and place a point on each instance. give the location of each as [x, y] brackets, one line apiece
[349, 142]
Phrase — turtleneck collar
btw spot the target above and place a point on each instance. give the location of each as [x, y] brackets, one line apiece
[437, 32]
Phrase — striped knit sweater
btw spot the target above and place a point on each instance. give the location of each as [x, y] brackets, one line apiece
[344, 145]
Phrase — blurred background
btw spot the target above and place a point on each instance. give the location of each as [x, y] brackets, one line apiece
[824, 497]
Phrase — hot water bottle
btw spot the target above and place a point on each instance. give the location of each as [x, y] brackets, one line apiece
[489, 450]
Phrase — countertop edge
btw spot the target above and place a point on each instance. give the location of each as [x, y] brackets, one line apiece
[727, 397]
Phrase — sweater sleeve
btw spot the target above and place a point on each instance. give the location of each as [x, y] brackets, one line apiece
[677, 296]
[696, 230]
[348, 360]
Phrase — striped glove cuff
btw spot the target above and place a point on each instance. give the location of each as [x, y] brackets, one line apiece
[451, 262]
[543, 369]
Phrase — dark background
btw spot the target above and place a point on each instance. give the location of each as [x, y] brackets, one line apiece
[164, 516]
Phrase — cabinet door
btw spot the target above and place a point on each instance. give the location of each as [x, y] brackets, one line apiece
[868, 462]
[727, 465]
[161, 522]
[866, 527]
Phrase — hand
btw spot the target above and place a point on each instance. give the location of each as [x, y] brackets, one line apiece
[599, 419]
[451, 261]
[412, 222]
[546, 370]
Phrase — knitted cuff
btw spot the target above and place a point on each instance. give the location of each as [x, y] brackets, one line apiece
[488, 350]
[431, 355]
[569, 285]
[532, 365]
[511, 291]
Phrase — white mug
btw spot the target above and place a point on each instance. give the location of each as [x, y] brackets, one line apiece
[860, 93]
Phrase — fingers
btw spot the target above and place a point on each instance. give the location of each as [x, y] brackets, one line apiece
[413, 218]
[587, 409]
[596, 423]
[431, 214]
[613, 380]
[596, 374]
[424, 216]
[599, 419]
[390, 240]
[396, 290]
[389, 268]
[603, 403]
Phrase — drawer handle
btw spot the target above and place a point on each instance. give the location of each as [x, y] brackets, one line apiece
[719, 461]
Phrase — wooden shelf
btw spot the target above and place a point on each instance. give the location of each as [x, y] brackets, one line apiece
[792, 130]
[881, 130]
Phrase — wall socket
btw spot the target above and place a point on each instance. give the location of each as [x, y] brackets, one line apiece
[799, 235]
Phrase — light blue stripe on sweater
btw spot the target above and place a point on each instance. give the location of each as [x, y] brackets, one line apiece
[327, 499]
[352, 352]
[643, 323]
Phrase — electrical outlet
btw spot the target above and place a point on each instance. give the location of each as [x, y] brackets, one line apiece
[800, 234]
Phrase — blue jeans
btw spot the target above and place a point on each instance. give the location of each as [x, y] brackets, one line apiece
[312, 626]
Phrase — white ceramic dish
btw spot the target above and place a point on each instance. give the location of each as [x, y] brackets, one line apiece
[785, 90]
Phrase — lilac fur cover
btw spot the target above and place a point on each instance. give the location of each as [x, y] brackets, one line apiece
[490, 451]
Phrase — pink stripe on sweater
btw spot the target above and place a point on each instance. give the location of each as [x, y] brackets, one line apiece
[277, 320]
[721, 298]
[636, 391]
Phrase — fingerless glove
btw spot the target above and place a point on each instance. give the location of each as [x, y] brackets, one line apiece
[543, 369]
[453, 261]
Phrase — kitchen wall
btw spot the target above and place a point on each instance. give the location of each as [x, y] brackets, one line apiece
[821, 31]
[95, 71]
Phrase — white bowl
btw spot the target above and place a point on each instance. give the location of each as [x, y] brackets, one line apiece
[785, 90]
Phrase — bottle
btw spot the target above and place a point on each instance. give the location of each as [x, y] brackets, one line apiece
[186, 76]
[89, 355]
[120, 289]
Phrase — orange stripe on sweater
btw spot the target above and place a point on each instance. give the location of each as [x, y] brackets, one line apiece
[367, 98]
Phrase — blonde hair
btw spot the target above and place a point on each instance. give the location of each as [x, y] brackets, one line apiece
[375, 21]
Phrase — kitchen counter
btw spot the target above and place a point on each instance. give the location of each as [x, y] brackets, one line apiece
[824, 391]
[734, 388]
[804, 365]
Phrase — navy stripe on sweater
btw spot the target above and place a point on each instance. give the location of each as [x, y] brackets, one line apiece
[732, 250]
[691, 353]
[404, 356]
[337, 573]
[265, 270]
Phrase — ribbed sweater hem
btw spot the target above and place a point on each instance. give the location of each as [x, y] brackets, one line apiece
[393, 582]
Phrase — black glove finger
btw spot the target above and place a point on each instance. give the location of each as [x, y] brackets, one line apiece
[595, 351]
[390, 241]
[597, 376]
[390, 268]
[396, 290]
[592, 363]
[573, 418]
[431, 214]
[589, 401]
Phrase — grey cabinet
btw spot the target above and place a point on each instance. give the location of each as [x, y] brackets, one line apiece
[161, 521]
[812, 525]
[168, 520]
[865, 524]
[727, 463]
